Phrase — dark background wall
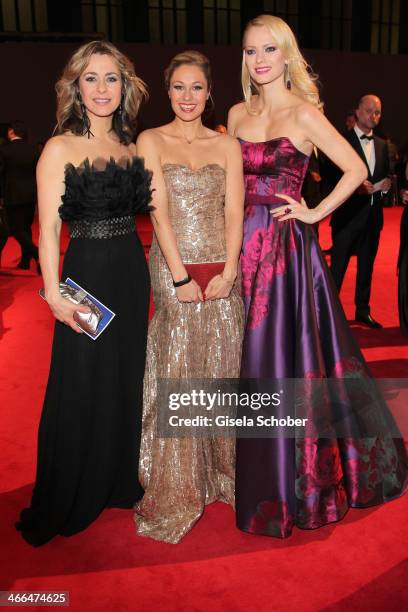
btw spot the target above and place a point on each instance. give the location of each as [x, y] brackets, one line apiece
[30, 70]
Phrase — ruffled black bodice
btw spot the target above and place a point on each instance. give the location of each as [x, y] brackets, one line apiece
[103, 190]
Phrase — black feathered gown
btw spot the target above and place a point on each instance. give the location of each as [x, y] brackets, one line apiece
[89, 434]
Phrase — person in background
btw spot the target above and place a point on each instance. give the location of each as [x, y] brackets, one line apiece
[402, 265]
[221, 129]
[4, 228]
[3, 133]
[18, 160]
[312, 185]
[358, 223]
[402, 174]
[327, 169]
[350, 120]
[393, 154]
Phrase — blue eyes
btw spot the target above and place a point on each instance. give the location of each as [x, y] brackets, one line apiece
[270, 49]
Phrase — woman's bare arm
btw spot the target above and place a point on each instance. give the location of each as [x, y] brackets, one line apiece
[234, 114]
[50, 187]
[320, 132]
[234, 209]
[220, 286]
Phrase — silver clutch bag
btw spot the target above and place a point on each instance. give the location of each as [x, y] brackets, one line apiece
[88, 321]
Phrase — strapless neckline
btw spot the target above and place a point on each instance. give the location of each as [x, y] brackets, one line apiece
[193, 170]
[105, 189]
[264, 142]
[122, 163]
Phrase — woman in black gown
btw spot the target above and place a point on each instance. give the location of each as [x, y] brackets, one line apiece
[89, 433]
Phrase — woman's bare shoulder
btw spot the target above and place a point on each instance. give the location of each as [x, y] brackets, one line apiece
[60, 143]
[306, 113]
[152, 137]
[237, 109]
[59, 150]
[236, 113]
[229, 143]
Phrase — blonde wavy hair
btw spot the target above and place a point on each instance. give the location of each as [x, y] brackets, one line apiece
[303, 80]
[134, 90]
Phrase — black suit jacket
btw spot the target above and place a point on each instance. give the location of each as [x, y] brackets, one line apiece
[357, 208]
[18, 160]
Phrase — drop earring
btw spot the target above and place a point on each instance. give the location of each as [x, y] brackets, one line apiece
[209, 103]
[86, 124]
[288, 83]
[119, 112]
[118, 118]
[122, 112]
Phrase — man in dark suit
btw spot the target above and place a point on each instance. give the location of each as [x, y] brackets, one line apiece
[18, 161]
[357, 224]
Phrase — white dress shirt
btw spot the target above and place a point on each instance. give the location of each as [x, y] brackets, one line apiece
[369, 151]
[368, 147]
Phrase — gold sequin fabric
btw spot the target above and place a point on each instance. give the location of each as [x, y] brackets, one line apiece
[181, 475]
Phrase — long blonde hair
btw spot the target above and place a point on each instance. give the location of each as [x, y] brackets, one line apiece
[69, 113]
[303, 80]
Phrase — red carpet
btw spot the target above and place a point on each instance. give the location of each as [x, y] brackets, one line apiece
[359, 564]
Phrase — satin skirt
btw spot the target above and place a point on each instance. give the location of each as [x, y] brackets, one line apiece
[296, 328]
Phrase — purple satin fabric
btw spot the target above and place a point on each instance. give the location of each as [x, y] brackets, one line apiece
[296, 328]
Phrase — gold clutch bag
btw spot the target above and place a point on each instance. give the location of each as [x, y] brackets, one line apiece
[88, 321]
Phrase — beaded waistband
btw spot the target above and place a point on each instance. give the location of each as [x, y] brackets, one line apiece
[103, 228]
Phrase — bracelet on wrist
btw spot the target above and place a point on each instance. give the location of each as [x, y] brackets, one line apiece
[182, 282]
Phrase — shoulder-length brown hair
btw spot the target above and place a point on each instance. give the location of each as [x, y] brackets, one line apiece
[134, 90]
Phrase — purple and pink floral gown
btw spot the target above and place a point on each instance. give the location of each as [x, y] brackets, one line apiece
[296, 328]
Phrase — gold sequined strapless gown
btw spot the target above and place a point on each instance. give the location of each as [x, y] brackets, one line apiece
[181, 475]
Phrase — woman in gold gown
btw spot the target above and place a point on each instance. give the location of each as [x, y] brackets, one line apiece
[195, 332]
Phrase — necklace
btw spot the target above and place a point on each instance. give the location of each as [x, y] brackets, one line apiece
[189, 140]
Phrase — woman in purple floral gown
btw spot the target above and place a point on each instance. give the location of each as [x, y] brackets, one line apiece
[295, 325]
